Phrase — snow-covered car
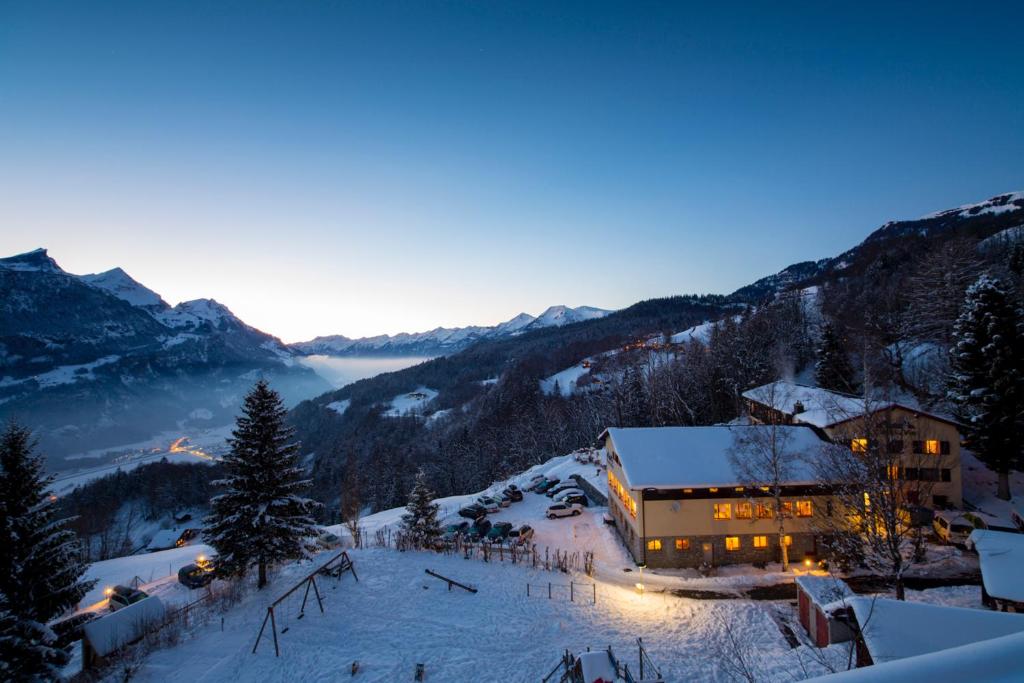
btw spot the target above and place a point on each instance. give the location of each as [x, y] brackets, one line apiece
[564, 486]
[504, 500]
[487, 503]
[521, 536]
[533, 481]
[565, 493]
[122, 596]
[955, 527]
[327, 539]
[578, 498]
[546, 485]
[564, 510]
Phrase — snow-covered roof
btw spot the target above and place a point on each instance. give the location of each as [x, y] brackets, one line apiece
[820, 407]
[896, 629]
[123, 626]
[678, 457]
[165, 538]
[996, 660]
[824, 590]
[1001, 555]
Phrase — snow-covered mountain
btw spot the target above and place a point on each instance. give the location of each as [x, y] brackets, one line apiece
[100, 359]
[981, 220]
[443, 341]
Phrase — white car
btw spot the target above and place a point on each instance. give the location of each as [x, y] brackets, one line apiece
[564, 510]
[562, 495]
[487, 503]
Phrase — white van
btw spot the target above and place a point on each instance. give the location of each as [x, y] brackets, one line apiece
[955, 527]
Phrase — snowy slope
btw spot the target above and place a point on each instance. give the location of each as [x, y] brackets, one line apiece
[121, 285]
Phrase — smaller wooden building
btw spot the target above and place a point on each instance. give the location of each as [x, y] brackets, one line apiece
[1001, 556]
[823, 604]
[106, 635]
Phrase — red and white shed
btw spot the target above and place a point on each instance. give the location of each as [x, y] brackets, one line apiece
[820, 599]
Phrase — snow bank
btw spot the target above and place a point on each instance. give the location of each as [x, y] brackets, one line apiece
[123, 626]
[1001, 556]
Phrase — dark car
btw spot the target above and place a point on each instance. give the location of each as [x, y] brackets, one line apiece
[499, 532]
[193, 576]
[478, 530]
[547, 485]
[473, 511]
[582, 500]
[453, 531]
[514, 493]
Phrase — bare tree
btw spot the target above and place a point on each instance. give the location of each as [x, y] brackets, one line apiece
[766, 458]
[352, 500]
[875, 487]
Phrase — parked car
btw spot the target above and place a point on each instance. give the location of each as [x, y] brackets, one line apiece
[487, 503]
[536, 486]
[122, 596]
[504, 500]
[327, 540]
[955, 527]
[564, 510]
[453, 531]
[521, 536]
[564, 486]
[577, 499]
[533, 481]
[478, 530]
[193, 576]
[499, 532]
[514, 493]
[472, 511]
[547, 485]
[565, 493]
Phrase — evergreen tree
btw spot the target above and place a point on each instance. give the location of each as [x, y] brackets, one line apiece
[987, 381]
[420, 518]
[260, 519]
[832, 369]
[39, 566]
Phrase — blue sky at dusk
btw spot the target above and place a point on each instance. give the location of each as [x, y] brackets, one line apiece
[361, 168]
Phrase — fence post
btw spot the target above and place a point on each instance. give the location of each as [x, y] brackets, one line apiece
[594, 586]
[527, 590]
[572, 592]
[549, 590]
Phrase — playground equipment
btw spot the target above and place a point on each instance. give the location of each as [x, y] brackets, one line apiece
[451, 582]
[335, 567]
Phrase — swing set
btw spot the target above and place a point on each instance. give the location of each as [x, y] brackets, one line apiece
[335, 568]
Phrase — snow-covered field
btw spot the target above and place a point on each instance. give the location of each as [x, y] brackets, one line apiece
[413, 402]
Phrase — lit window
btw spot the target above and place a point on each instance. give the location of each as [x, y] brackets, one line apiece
[803, 508]
[713, 489]
[687, 490]
[744, 511]
[723, 511]
[682, 544]
[760, 542]
[893, 472]
[654, 544]
[732, 542]
[788, 540]
[859, 445]
[764, 511]
[739, 488]
[932, 447]
[787, 509]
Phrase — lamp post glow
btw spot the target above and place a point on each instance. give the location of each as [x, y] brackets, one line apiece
[108, 591]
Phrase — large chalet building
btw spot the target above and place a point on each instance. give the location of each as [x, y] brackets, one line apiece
[677, 502]
[927, 445]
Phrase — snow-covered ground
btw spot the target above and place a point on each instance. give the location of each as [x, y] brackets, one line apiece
[340, 406]
[397, 616]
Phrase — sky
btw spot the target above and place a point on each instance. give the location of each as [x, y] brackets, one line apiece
[363, 168]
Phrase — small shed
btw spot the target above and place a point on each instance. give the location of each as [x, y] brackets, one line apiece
[890, 630]
[1001, 556]
[106, 635]
[822, 602]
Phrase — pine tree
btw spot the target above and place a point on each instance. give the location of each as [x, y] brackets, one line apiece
[420, 519]
[40, 565]
[832, 369]
[260, 519]
[987, 380]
